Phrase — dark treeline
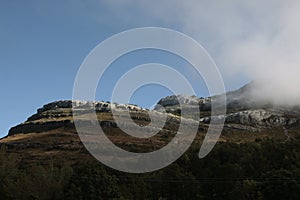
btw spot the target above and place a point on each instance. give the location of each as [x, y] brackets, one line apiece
[266, 169]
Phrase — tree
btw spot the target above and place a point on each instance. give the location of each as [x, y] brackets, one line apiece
[91, 181]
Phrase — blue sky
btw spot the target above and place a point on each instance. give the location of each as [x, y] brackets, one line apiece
[43, 43]
[42, 46]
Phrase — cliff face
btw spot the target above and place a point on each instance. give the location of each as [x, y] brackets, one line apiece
[245, 115]
[51, 131]
[243, 108]
[59, 114]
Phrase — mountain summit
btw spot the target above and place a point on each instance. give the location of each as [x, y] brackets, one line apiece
[259, 144]
[243, 110]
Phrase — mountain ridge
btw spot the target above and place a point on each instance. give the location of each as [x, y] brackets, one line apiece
[51, 134]
[242, 109]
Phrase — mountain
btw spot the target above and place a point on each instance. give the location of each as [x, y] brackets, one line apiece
[244, 98]
[243, 109]
[51, 130]
[257, 153]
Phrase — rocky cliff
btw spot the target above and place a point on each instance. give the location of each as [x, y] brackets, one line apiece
[245, 115]
[243, 108]
[59, 114]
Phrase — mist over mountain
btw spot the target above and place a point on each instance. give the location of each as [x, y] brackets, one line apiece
[245, 111]
[259, 144]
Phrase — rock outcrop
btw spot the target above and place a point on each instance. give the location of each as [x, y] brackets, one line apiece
[242, 108]
[59, 114]
[243, 112]
[257, 118]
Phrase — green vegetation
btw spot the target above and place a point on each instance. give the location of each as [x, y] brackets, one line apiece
[265, 169]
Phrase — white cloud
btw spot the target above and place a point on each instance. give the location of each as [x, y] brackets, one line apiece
[257, 39]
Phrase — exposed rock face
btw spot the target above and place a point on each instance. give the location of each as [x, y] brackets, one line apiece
[243, 113]
[252, 117]
[257, 118]
[191, 104]
[98, 106]
[242, 108]
[175, 100]
[241, 99]
[63, 108]
[38, 127]
[59, 114]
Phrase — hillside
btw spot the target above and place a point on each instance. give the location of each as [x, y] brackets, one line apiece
[256, 135]
[51, 130]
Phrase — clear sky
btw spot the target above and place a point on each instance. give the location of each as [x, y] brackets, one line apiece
[43, 43]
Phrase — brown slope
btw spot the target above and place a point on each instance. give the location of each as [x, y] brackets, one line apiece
[50, 134]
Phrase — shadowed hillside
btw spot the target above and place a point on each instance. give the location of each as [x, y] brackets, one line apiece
[257, 153]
